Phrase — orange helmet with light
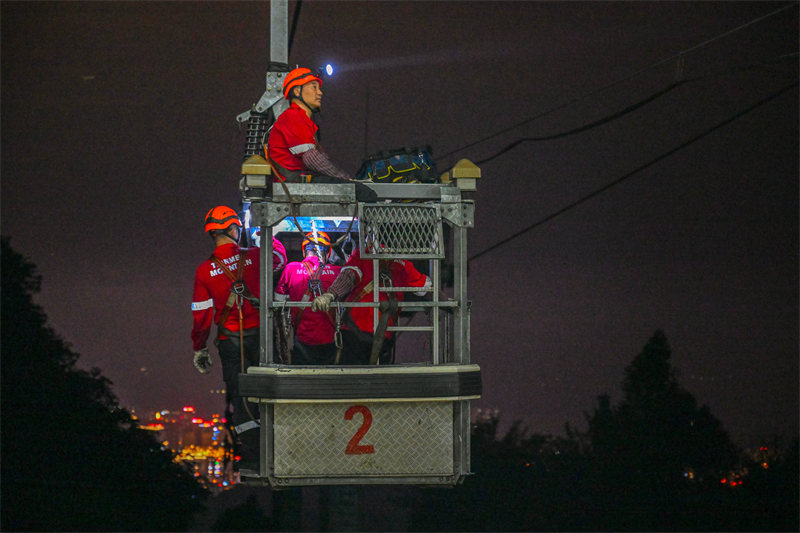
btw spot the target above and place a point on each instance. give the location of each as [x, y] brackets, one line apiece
[321, 239]
[221, 218]
[297, 78]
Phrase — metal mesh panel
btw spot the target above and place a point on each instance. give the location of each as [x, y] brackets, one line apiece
[390, 438]
[400, 230]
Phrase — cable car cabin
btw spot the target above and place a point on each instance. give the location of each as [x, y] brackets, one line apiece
[402, 423]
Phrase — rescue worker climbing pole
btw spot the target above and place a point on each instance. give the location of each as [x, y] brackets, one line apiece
[302, 281]
[355, 283]
[225, 291]
[293, 149]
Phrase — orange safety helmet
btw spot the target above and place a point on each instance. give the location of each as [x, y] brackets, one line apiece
[322, 239]
[297, 78]
[221, 218]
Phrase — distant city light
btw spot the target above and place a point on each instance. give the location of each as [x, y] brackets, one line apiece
[196, 441]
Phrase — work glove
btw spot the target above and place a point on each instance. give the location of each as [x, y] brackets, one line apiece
[202, 361]
[322, 302]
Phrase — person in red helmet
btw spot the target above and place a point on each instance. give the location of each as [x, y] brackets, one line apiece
[293, 149]
[302, 281]
[226, 289]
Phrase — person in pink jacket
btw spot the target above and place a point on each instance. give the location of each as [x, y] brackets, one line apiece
[302, 281]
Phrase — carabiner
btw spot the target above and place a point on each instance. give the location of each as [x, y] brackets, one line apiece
[337, 336]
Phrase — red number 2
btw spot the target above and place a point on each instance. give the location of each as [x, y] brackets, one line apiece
[353, 447]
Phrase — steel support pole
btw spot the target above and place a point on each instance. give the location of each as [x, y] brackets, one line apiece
[461, 349]
[436, 358]
[267, 291]
[279, 31]
[461, 315]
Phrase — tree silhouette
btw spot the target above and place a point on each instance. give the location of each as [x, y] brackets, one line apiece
[521, 482]
[653, 462]
[656, 452]
[72, 459]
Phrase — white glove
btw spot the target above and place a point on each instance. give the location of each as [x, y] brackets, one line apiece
[202, 361]
[322, 302]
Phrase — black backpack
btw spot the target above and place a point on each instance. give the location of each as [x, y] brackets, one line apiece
[405, 165]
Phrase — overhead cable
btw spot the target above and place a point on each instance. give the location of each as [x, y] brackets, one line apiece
[621, 80]
[635, 171]
[589, 126]
[634, 107]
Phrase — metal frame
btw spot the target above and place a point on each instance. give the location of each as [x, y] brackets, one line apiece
[272, 384]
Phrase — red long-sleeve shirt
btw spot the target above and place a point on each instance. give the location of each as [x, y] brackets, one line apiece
[293, 145]
[212, 287]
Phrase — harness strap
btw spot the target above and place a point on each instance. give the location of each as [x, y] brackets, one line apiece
[284, 174]
[238, 289]
[369, 286]
[313, 275]
[226, 311]
[239, 269]
[388, 308]
[298, 312]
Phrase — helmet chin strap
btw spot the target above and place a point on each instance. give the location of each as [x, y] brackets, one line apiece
[312, 109]
[303, 101]
[228, 235]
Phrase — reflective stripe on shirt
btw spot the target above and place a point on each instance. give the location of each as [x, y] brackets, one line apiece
[355, 269]
[201, 306]
[301, 148]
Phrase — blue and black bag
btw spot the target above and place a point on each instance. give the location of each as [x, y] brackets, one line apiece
[405, 165]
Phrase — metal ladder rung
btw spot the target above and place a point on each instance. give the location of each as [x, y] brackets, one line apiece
[406, 289]
[409, 328]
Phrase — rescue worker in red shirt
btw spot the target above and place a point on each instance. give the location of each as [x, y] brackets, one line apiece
[226, 288]
[355, 284]
[302, 281]
[293, 149]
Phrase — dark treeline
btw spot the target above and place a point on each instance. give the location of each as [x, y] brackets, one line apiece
[73, 460]
[654, 462]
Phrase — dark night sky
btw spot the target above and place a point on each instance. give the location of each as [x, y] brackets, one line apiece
[119, 133]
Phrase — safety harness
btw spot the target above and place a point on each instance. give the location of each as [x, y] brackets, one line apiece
[238, 294]
[286, 175]
[314, 289]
